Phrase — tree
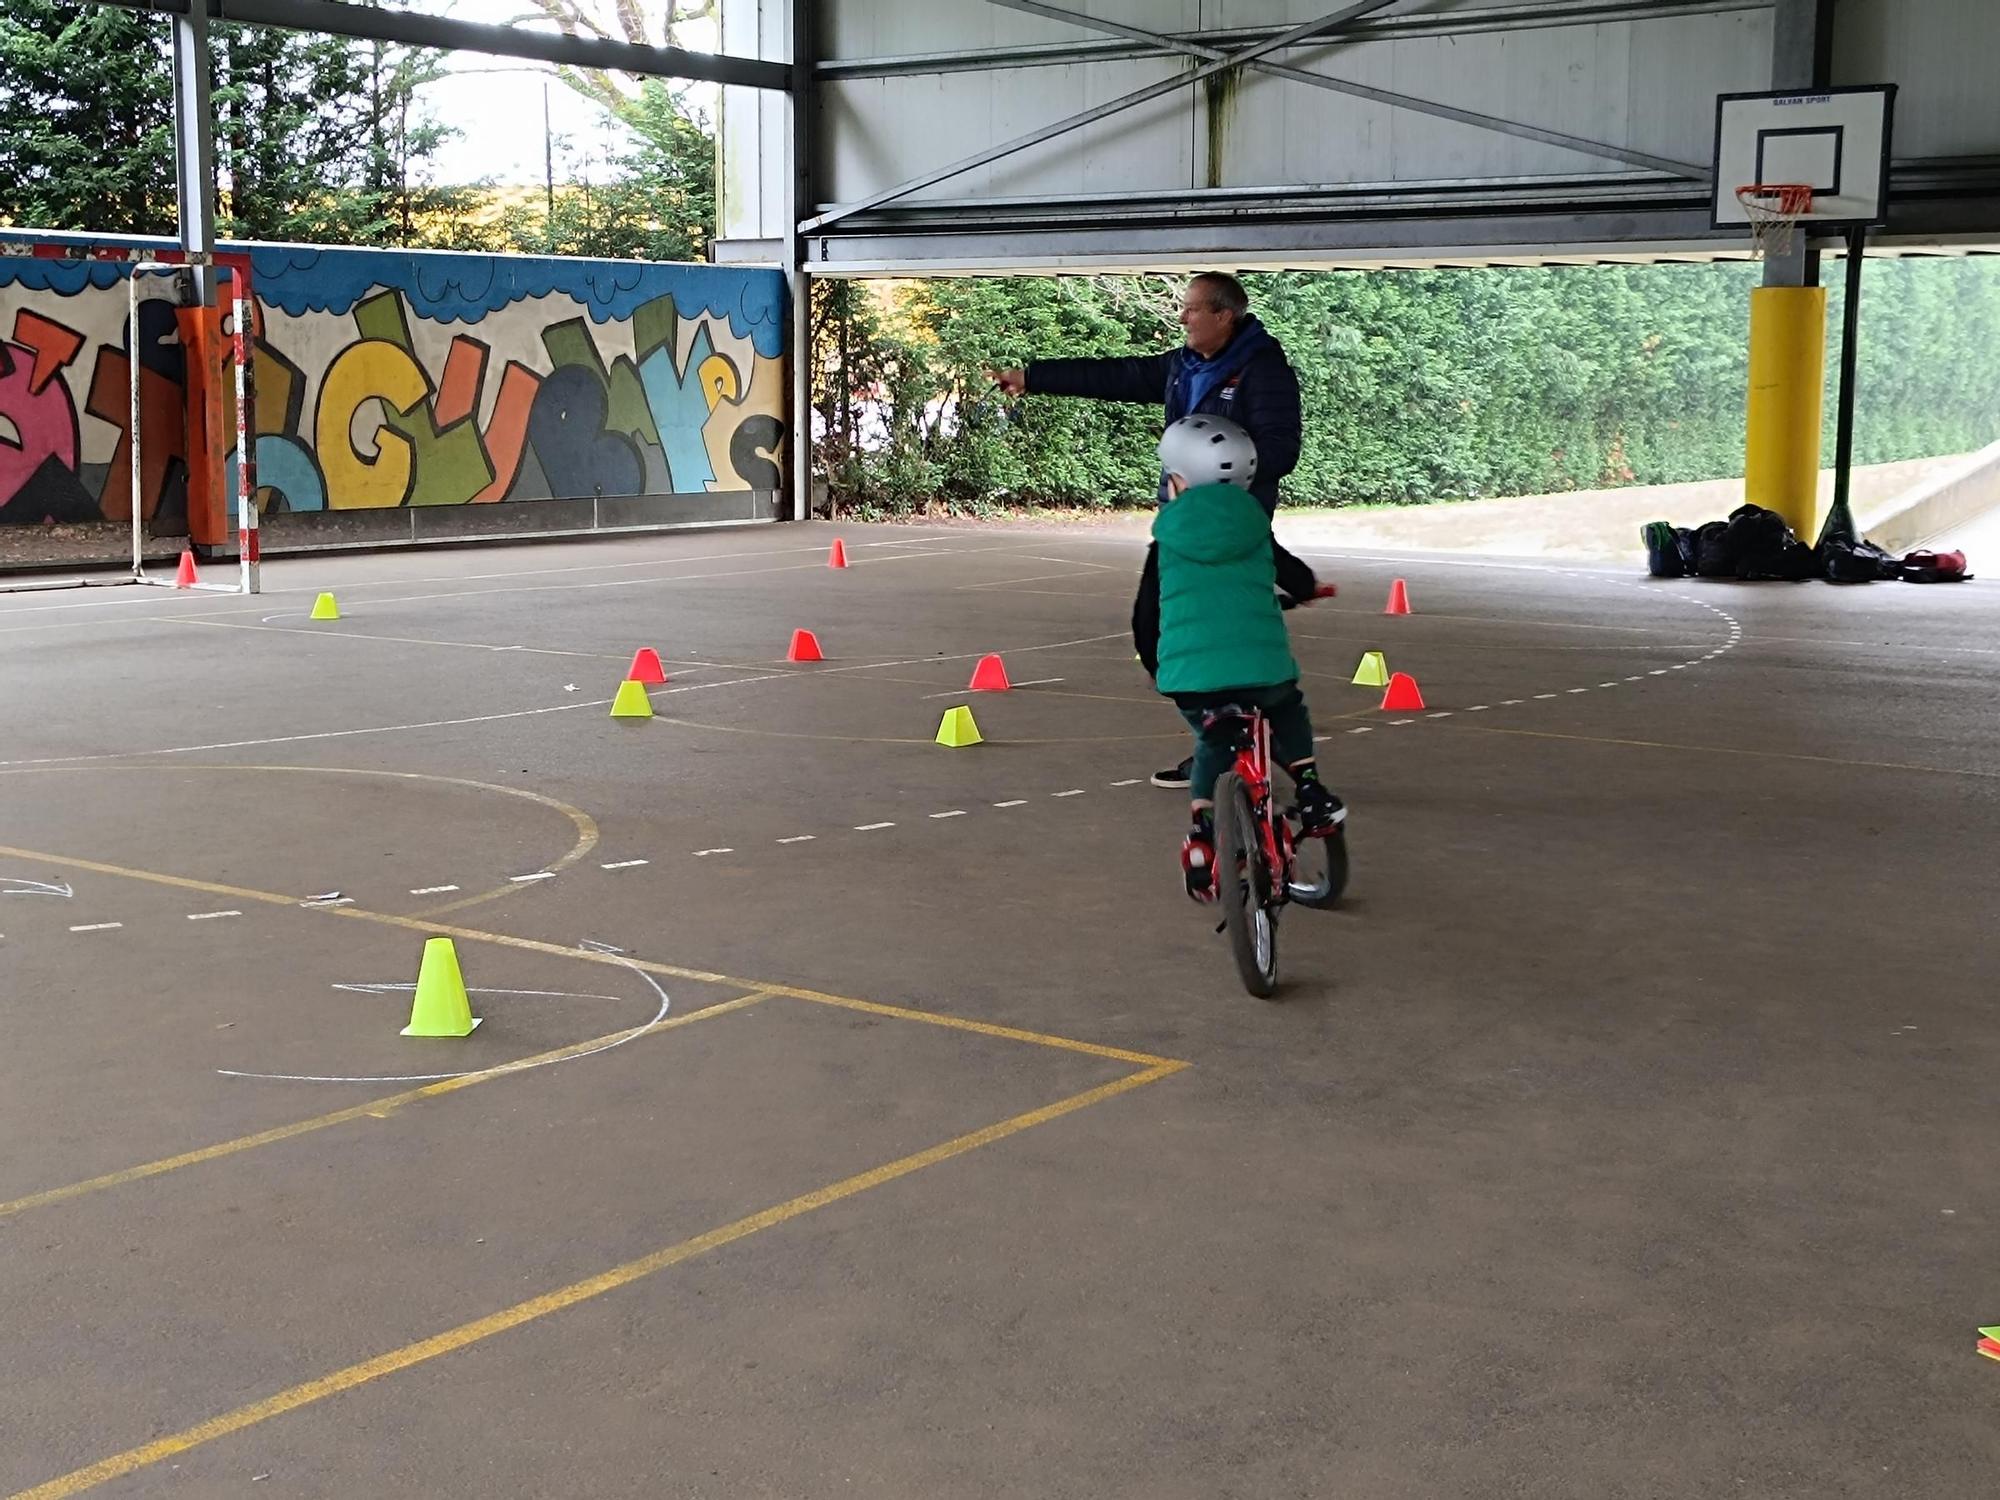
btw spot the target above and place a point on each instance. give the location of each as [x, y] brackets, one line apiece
[86, 118]
[317, 138]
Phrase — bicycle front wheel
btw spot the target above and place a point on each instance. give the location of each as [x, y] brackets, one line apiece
[1243, 886]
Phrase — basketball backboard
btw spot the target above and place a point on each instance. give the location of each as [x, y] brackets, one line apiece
[1836, 141]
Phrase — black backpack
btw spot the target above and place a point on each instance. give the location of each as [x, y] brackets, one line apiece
[1856, 562]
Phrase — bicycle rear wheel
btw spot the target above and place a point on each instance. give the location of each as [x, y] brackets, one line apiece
[1243, 886]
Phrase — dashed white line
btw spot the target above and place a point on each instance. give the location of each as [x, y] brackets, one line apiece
[432, 890]
[538, 875]
[1017, 802]
[1580, 690]
[1510, 702]
[1540, 696]
[1363, 729]
[1133, 781]
[704, 853]
[320, 901]
[1075, 791]
[1402, 721]
[1657, 672]
[871, 827]
[1607, 684]
[956, 812]
[1478, 708]
[623, 864]
[1443, 713]
[799, 838]
[210, 916]
[96, 926]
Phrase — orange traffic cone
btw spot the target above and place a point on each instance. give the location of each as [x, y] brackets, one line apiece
[837, 558]
[990, 676]
[646, 666]
[186, 578]
[1399, 599]
[1402, 692]
[805, 647]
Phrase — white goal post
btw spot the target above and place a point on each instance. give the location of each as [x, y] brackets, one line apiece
[140, 263]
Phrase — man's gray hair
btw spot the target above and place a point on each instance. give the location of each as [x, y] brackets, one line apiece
[1225, 293]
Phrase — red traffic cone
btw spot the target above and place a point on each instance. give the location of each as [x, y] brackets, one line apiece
[837, 558]
[1402, 692]
[646, 667]
[1399, 599]
[186, 578]
[990, 676]
[805, 647]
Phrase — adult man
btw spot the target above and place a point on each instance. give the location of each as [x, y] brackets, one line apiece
[1229, 367]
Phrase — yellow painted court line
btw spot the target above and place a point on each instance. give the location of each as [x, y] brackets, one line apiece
[586, 826]
[480, 1329]
[530, 945]
[375, 1108]
[1816, 760]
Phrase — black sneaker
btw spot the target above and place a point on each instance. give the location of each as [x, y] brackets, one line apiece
[1176, 778]
[1321, 812]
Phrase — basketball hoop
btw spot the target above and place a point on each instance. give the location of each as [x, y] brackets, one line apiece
[1774, 210]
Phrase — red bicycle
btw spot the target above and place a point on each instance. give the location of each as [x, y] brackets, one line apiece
[1262, 860]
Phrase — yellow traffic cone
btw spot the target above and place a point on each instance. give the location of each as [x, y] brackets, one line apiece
[957, 729]
[324, 608]
[631, 702]
[1373, 671]
[442, 1007]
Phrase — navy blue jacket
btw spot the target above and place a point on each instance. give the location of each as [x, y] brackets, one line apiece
[1262, 398]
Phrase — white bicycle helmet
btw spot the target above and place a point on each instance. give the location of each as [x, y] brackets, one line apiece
[1209, 450]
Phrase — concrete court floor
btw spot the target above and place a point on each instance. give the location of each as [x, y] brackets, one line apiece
[1629, 1133]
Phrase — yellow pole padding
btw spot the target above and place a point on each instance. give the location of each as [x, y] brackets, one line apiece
[1787, 374]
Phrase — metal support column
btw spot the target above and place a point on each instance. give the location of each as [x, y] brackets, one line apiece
[799, 202]
[194, 147]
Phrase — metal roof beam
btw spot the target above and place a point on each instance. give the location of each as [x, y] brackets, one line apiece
[336, 18]
[1537, 15]
[1451, 112]
[1331, 21]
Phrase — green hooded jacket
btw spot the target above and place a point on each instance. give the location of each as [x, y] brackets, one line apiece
[1220, 624]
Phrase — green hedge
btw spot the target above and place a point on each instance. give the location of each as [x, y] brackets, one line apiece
[1418, 385]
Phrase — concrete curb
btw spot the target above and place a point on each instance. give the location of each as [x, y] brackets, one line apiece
[1937, 504]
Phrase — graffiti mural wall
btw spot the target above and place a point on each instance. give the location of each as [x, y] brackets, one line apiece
[392, 378]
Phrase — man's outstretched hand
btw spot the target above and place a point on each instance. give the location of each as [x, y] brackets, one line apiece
[1013, 382]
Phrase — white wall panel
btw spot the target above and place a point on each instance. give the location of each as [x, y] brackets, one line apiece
[1943, 55]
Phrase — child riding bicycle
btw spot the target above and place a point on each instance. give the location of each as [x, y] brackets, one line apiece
[1210, 630]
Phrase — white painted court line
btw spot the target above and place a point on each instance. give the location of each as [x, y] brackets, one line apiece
[1075, 791]
[704, 853]
[799, 838]
[1607, 684]
[318, 901]
[1363, 729]
[210, 916]
[1478, 708]
[96, 926]
[1402, 721]
[618, 864]
[871, 827]
[1579, 690]
[1510, 702]
[432, 890]
[538, 875]
[1540, 696]
[1443, 713]
[1133, 781]
[956, 812]
[1016, 802]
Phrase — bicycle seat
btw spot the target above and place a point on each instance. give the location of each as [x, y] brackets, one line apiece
[1232, 719]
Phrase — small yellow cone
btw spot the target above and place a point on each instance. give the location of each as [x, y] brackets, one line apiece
[442, 1007]
[631, 702]
[324, 608]
[1373, 671]
[957, 729]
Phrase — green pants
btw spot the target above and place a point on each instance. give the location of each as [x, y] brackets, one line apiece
[1283, 705]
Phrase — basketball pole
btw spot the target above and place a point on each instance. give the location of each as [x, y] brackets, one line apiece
[1850, 348]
